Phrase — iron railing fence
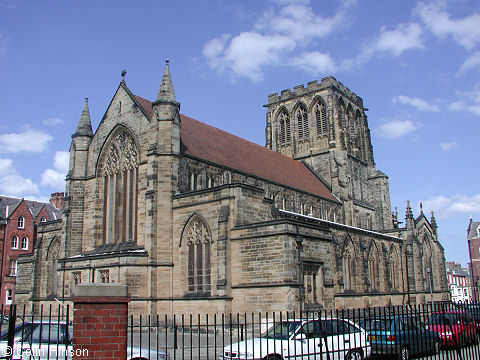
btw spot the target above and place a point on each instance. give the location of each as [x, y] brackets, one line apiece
[431, 331]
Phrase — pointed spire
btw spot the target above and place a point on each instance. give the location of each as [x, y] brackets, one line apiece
[408, 213]
[421, 208]
[84, 127]
[166, 93]
[433, 221]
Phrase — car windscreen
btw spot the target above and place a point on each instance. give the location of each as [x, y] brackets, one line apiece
[281, 330]
[444, 319]
[376, 324]
[20, 329]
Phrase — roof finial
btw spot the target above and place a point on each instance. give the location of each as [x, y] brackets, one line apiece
[124, 72]
[421, 208]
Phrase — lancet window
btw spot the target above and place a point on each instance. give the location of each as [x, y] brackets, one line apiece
[302, 121]
[284, 127]
[197, 240]
[120, 176]
[321, 119]
[348, 268]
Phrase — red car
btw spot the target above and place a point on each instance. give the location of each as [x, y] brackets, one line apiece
[456, 327]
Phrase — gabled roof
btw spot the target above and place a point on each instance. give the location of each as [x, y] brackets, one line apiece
[34, 206]
[219, 147]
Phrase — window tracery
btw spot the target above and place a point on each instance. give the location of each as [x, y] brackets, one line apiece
[197, 239]
[120, 189]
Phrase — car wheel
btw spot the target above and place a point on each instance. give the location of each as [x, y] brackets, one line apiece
[436, 347]
[354, 355]
[461, 341]
[404, 354]
[272, 357]
[475, 338]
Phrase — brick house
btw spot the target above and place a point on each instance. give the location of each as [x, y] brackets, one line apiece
[19, 219]
[196, 220]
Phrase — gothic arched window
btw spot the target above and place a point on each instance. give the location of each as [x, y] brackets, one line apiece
[351, 122]
[120, 176]
[372, 267]
[302, 121]
[284, 127]
[321, 118]
[197, 240]
[52, 257]
[341, 115]
[393, 269]
[348, 267]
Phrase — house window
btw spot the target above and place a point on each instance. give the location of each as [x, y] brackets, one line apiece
[104, 276]
[8, 297]
[13, 267]
[25, 243]
[43, 219]
[197, 239]
[120, 185]
[15, 242]
[21, 222]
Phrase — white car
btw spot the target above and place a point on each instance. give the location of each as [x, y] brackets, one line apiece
[319, 339]
[43, 339]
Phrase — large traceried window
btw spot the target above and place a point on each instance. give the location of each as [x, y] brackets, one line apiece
[302, 121]
[321, 118]
[284, 127]
[120, 176]
[197, 240]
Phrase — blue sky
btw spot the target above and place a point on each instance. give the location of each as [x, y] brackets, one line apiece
[416, 65]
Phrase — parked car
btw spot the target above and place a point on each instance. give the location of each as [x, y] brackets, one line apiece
[456, 327]
[315, 338]
[45, 339]
[400, 336]
[473, 309]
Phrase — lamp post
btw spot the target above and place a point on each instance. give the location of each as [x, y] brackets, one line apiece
[299, 241]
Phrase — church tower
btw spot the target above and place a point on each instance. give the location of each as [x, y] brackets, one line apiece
[325, 126]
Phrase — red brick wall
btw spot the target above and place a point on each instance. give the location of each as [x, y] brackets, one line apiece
[100, 328]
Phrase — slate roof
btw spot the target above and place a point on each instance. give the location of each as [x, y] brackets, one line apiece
[34, 206]
[473, 229]
[222, 148]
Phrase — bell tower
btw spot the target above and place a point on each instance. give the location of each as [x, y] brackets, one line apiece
[325, 125]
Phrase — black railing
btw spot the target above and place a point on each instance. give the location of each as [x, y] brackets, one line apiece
[438, 331]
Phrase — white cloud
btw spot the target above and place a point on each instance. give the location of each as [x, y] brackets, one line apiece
[453, 206]
[315, 62]
[12, 183]
[404, 37]
[464, 31]
[273, 39]
[449, 146]
[56, 177]
[469, 102]
[473, 61]
[417, 103]
[35, 141]
[396, 128]
[52, 121]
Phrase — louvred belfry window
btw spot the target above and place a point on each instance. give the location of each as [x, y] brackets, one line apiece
[196, 237]
[284, 127]
[321, 119]
[120, 176]
[302, 120]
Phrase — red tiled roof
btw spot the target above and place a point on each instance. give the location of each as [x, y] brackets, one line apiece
[217, 146]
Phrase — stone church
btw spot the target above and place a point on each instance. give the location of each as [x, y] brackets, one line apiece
[196, 220]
